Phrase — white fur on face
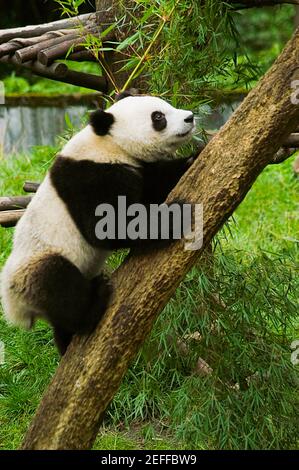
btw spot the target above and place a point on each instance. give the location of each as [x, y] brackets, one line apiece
[133, 127]
[132, 134]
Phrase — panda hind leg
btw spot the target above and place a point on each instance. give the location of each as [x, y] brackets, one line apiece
[71, 303]
[100, 295]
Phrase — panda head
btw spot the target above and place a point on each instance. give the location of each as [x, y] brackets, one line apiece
[145, 127]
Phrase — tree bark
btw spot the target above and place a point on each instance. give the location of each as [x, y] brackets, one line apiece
[92, 369]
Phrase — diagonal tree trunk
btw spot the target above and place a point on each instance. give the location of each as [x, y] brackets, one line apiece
[92, 369]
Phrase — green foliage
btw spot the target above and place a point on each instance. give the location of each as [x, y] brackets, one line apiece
[262, 35]
[179, 45]
[237, 312]
[70, 7]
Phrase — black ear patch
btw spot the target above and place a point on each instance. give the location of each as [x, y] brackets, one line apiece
[101, 121]
[122, 95]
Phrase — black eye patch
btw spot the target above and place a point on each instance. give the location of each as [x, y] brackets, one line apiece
[159, 120]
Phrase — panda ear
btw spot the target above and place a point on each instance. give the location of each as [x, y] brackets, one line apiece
[122, 95]
[101, 121]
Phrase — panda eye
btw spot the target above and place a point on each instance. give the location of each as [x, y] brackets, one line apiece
[158, 116]
[159, 121]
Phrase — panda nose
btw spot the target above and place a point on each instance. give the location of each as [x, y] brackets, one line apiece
[190, 118]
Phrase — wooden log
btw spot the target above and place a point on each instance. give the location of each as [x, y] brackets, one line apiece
[91, 371]
[56, 71]
[87, 80]
[61, 73]
[31, 52]
[19, 43]
[38, 30]
[10, 218]
[14, 202]
[30, 187]
[47, 55]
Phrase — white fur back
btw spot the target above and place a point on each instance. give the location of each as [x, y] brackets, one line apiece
[86, 145]
[47, 225]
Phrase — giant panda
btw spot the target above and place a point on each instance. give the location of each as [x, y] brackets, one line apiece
[55, 270]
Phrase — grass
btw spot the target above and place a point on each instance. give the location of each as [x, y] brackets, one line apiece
[239, 314]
